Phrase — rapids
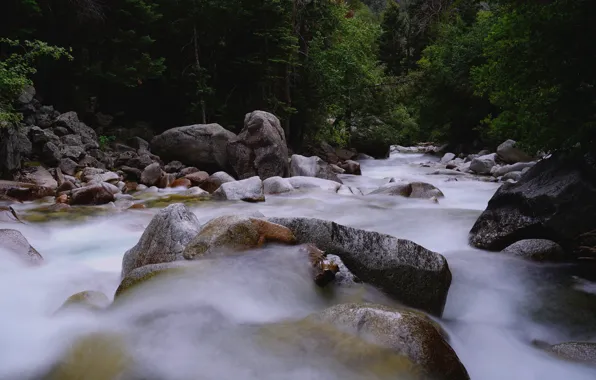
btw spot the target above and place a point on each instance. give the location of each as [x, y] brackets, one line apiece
[203, 328]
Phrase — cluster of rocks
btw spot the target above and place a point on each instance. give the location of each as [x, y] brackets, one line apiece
[507, 164]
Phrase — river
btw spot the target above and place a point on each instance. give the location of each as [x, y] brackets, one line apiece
[497, 305]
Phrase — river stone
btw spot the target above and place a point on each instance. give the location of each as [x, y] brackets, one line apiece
[447, 157]
[200, 145]
[146, 273]
[231, 233]
[420, 190]
[260, 149]
[164, 238]
[21, 191]
[483, 164]
[554, 200]
[14, 242]
[403, 269]
[70, 121]
[152, 175]
[312, 183]
[37, 175]
[215, 180]
[351, 167]
[509, 153]
[198, 177]
[89, 299]
[536, 249]
[405, 332]
[94, 194]
[277, 185]
[301, 166]
[515, 176]
[576, 351]
[174, 167]
[249, 190]
[68, 166]
[502, 170]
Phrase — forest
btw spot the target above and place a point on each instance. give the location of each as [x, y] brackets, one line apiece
[361, 74]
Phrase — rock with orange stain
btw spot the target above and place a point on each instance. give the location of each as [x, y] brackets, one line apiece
[137, 206]
[181, 182]
[323, 270]
[230, 233]
[62, 198]
[197, 178]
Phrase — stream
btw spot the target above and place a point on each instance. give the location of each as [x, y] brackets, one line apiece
[203, 327]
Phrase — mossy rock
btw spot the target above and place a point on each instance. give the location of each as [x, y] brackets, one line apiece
[89, 299]
[175, 198]
[45, 214]
[144, 274]
[97, 356]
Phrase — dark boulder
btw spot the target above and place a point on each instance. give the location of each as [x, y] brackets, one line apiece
[14, 146]
[260, 149]
[554, 200]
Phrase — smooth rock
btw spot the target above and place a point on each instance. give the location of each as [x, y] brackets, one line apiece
[89, 299]
[502, 170]
[13, 242]
[152, 175]
[312, 183]
[142, 275]
[197, 178]
[509, 153]
[277, 185]
[301, 166]
[336, 169]
[227, 234]
[536, 249]
[403, 269]
[164, 239]
[95, 194]
[249, 190]
[514, 176]
[37, 175]
[420, 190]
[483, 164]
[260, 149]
[447, 157]
[200, 145]
[215, 180]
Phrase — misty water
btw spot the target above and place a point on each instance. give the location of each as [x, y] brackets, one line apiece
[206, 326]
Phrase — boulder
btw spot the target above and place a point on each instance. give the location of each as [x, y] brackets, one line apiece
[51, 154]
[312, 183]
[405, 332]
[70, 121]
[186, 171]
[98, 175]
[336, 169]
[584, 352]
[536, 249]
[228, 234]
[90, 300]
[14, 146]
[260, 149]
[351, 167]
[65, 187]
[139, 161]
[164, 239]
[27, 95]
[13, 241]
[514, 176]
[411, 190]
[277, 185]
[483, 164]
[197, 178]
[509, 153]
[68, 166]
[39, 137]
[349, 190]
[152, 175]
[71, 140]
[554, 200]
[132, 174]
[301, 166]
[142, 275]
[181, 182]
[502, 170]
[215, 180]
[249, 190]
[200, 145]
[174, 167]
[39, 176]
[21, 191]
[405, 270]
[447, 157]
[95, 194]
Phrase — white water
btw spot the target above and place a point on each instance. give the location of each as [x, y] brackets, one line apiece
[198, 327]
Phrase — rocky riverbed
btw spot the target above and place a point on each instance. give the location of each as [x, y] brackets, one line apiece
[212, 286]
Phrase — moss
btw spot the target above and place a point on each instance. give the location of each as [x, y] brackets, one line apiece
[31, 164]
[175, 198]
[145, 273]
[76, 213]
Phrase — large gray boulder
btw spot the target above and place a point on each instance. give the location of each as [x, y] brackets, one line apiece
[312, 167]
[536, 249]
[260, 149]
[200, 145]
[404, 332]
[215, 180]
[483, 164]
[164, 239]
[249, 190]
[554, 200]
[447, 157]
[510, 153]
[13, 242]
[70, 121]
[405, 270]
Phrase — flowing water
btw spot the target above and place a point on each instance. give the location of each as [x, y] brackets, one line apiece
[203, 327]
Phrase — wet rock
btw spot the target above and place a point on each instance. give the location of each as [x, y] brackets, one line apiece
[447, 172]
[405, 332]
[186, 171]
[405, 270]
[323, 269]
[343, 277]
[214, 181]
[22, 192]
[362, 156]
[144, 274]
[351, 167]
[502, 170]
[96, 194]
[37, 175]
[8, 214]
[174, 167]
[301, 166]
[89, 299]
[514, 176]
[312, 183]
[483, 164]
[68, 166]
[249, 190]
[576, 351]
[447, 157]
[537, 250]
[277, 185]
[13, 242]
[260, 149]
[99, 175]
[181, 182]
[349, 190]
[420, 190]
[200, 145]
[152, 175]
[66, 186]
[197, 178]
[336, 169]
[554, 200]
[164, 238]
[509, 153]
[196, 192]
[228, 234]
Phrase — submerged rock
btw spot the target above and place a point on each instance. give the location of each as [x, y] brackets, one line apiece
[405, 332]
[164, 239]
[249, 190]
[260, 149]
[312, 183]
[411, 190]
[235, 233]
[537, 250]
[142, 275]
[405, 270]
[88, 299]
[14, 242]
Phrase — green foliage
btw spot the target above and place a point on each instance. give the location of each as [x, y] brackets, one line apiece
[105, 140]
[16, 69]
